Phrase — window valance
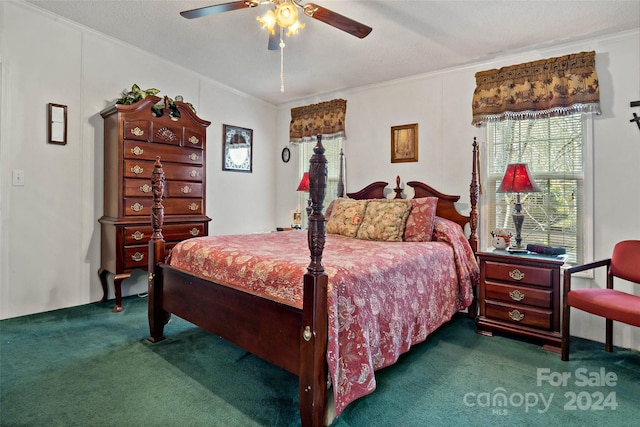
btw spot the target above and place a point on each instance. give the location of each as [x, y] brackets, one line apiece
[545, 88]
[326, 118]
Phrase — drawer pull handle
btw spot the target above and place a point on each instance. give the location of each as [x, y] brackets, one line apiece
[137, 169]
[516, 315]
[194, 157]
[186, 189]
[194, 232]
[193, 173]
[137, 131]
[137, 257]
[516, 295]
[137, 207]
[194, 140]
[194, 206]
[137, 235]
[146, 188]
[137, 151]
[516, 274]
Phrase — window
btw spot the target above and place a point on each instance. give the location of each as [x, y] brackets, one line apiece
[554, 148]
[332, 153]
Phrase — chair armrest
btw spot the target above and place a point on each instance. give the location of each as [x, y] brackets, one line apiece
[575, 269]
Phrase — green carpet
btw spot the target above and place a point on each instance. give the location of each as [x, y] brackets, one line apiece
[87, 366]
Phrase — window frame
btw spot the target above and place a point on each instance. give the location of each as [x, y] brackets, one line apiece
[586, 227]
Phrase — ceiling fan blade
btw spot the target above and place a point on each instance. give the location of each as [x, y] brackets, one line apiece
[339, 21]
[274, 39]
[217, 8]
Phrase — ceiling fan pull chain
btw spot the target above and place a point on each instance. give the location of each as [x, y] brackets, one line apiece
[281, 61]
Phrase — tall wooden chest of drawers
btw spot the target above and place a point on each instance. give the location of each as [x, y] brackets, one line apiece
[133, 138]
[520, 295]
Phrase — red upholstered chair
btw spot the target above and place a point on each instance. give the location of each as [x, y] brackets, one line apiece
[609, 303]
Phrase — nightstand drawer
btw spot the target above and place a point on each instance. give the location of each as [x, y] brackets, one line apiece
[519, 314]
[536, 276]
[515, 294]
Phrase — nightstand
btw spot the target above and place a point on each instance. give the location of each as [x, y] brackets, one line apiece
[520, 295]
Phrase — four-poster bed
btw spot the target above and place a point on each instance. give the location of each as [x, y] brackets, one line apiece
[305, 335]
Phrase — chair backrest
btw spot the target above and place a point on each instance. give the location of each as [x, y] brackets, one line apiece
[625, 261]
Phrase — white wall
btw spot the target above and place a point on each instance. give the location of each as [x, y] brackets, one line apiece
[50, 249]
[441, 105]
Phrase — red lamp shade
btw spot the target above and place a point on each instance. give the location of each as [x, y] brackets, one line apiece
[304, 183]
[517, 179]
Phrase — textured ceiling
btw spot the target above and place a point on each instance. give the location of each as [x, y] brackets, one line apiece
[408, 38]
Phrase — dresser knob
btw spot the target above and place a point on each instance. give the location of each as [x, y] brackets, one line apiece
[137, 257]
[516, 274]
[193, 173]
[137, 169]
[137, 131]
[516, 295]
[194, 232]
[186, 189]
[194, 140]
[194, 156]
[137, 207]
[516, 315]
[146, 188]
[137, 151]
[137, 235]
[194, 206]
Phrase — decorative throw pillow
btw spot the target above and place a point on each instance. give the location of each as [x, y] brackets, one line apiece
[384, 220]
[419, 227]
[346, 216]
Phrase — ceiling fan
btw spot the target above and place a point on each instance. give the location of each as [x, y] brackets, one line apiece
[285, 16]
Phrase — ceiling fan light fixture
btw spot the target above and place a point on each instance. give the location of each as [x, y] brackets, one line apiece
[268, 21]
[286, 14]
[297, 26]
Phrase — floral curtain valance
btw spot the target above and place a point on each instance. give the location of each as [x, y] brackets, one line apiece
[545, 88]
[326, 118]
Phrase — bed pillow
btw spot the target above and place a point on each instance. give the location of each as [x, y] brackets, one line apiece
[346, 216]
[329, 209]
[420, 222]
[384, 220]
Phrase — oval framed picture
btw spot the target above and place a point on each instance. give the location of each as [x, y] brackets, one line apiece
[286, 154]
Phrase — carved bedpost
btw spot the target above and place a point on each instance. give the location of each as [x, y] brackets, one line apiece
[473, 195]
[157, 316]
[341, 174]
[313, 345]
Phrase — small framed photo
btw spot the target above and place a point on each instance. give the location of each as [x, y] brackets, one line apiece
[237, 149]
[404, 143]
[296, 221]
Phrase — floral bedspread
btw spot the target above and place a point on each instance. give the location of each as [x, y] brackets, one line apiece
[383, 297]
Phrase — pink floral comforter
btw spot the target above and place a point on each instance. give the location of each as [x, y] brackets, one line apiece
[383, 297]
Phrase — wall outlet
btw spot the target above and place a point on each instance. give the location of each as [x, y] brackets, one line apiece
[18, 178]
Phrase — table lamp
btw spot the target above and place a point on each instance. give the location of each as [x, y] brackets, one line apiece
[517, 179]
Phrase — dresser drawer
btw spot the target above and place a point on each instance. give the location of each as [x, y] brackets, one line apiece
[180, 206]
[135, 235]
[193, 138]
[537, 276]
[172, 171]
[183, 189]
[519, 314]
[136, 256]
[167, 134]
[515, 294]
[140, 130]
[167, 153]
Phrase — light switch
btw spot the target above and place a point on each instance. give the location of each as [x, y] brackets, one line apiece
[18, 177]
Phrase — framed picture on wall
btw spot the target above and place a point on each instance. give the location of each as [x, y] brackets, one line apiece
[237, 149]
[404, 143]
